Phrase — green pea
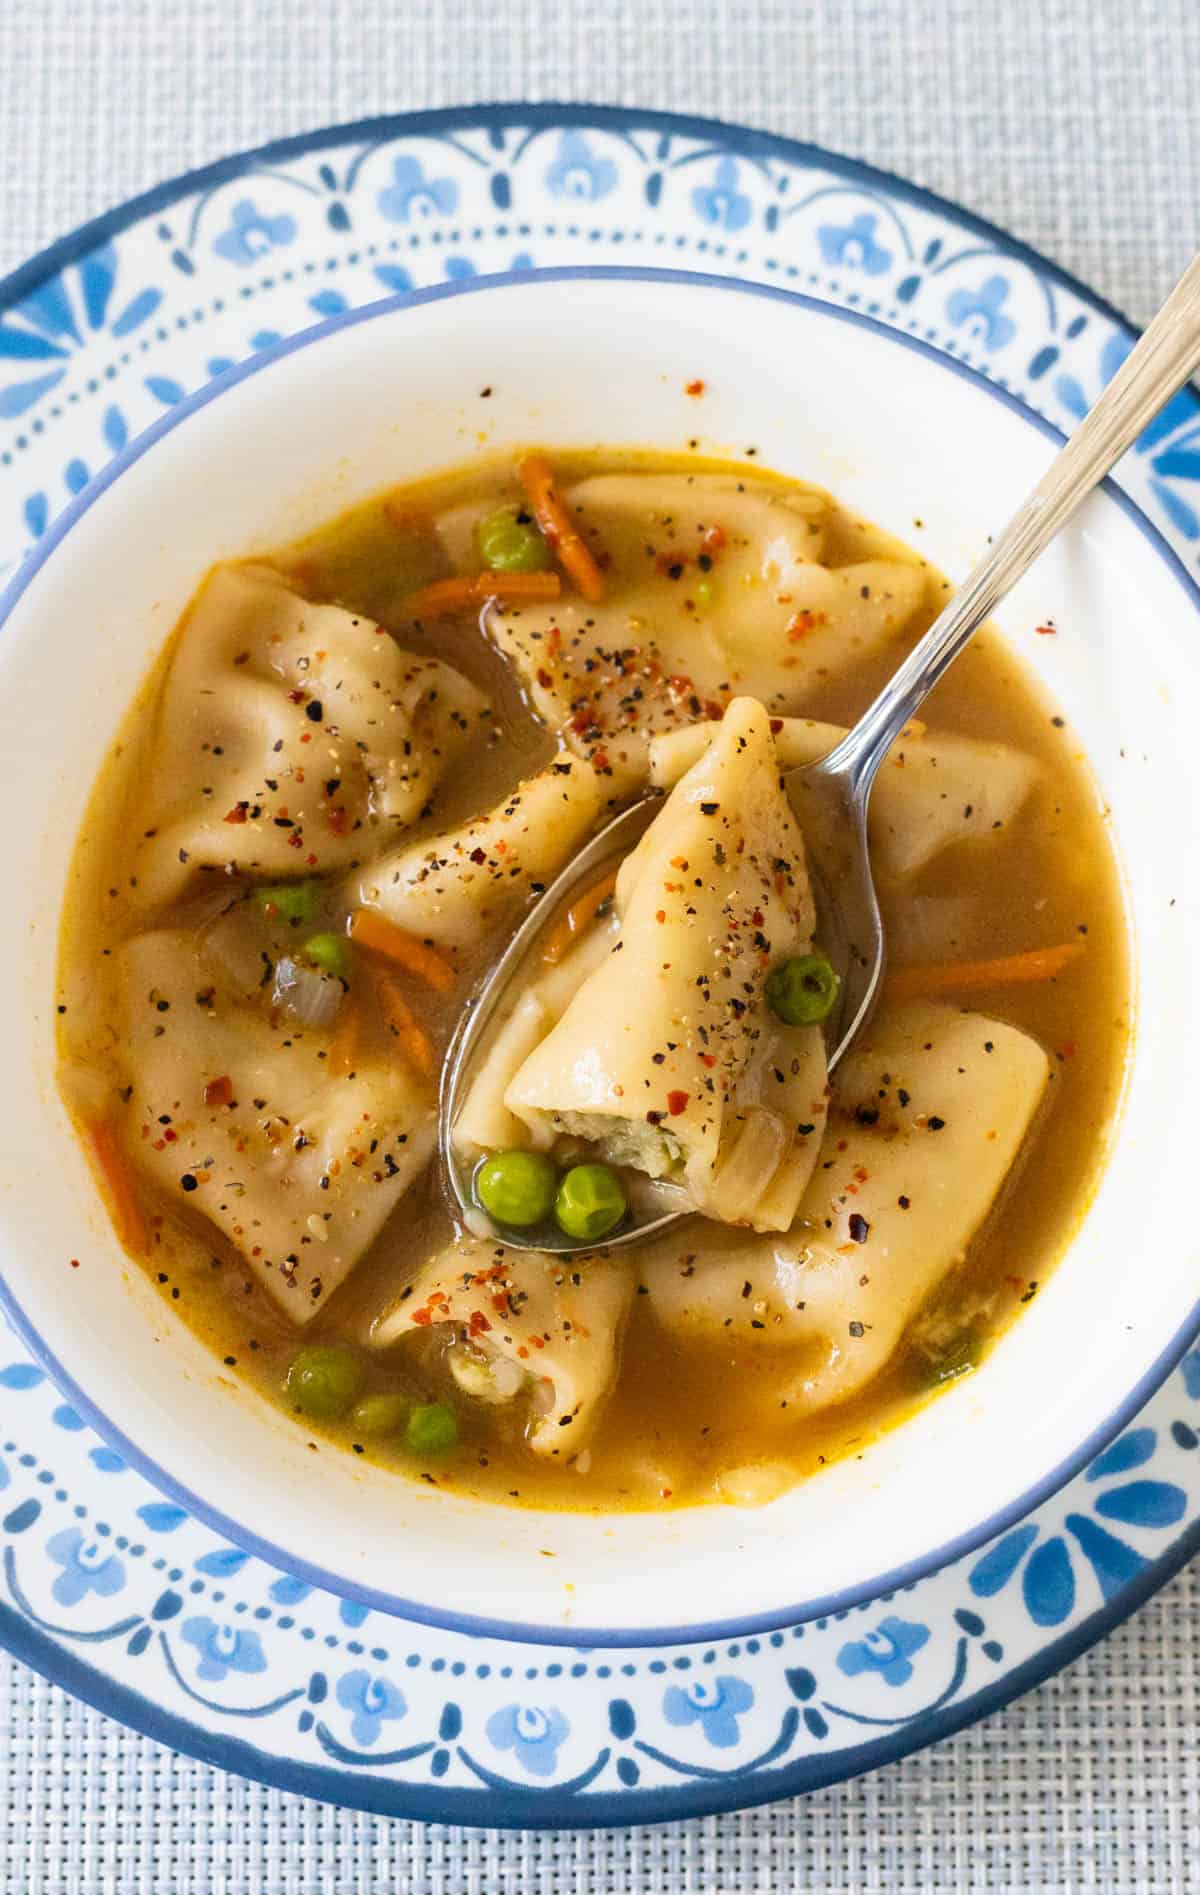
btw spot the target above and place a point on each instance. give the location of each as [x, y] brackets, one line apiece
[510, 542]
[331, 953]
[801, 991]
[323, 1380]
[432, 1429]
[379, 1414]
[517, 1187]
[591, 1201]
[294, 901]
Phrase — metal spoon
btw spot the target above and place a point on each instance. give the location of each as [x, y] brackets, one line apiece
[831, 797]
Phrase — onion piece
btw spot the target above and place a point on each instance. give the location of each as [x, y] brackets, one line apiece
[744, 1173]
[309, 998]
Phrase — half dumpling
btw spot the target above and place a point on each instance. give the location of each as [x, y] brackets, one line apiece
[929, 1113]
[554, 1325]
[668, 1058]
[240, 1119]
[284, 732]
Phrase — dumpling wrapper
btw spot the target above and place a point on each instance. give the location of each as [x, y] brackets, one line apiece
[668, 1057]
[289, 737]
[559, 1320]
[932, 790]
[485, 1123]
[301, 1172]
[929, 1112]
[453, 888]
[653, 656]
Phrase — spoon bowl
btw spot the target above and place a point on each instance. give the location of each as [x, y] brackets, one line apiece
[831, 797]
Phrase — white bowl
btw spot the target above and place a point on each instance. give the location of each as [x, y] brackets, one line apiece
[582, 358]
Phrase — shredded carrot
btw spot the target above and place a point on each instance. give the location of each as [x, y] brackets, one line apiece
[445, 596]
[533, 472]
[400, 1020]
[116, 1184]
[378, 935]
[579, 915]
[960, 977]
[344, 1046]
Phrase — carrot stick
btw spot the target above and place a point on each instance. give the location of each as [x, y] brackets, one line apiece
[343, 1047]
[533, 472]
[400, 1020]
[116, 1185]
[961, 977]
[445, 596]
[579, 915]
[378, 935]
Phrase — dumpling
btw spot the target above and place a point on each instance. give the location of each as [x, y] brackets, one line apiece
[285, 731]
[485, 1122]
[929, 1113]
[454, 888]
[714, 588]
[558, 1322]
[668, 1056]
[241, 1120]
[931, 790]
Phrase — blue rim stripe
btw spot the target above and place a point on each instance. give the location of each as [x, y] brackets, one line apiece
[548, 1809]
[743, 140]
[413, 1609]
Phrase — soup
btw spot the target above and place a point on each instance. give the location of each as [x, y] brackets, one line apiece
[358, 763]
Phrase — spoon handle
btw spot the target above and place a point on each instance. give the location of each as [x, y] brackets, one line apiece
[1161, 361]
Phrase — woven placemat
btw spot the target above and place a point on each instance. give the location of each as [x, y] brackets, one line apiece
[1073, 124]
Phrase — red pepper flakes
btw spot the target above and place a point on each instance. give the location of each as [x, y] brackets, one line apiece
[714, 539]
[237, 813]
[677, 1102]
[422, 1317]
[478, 1324]
[601, 762]
[219, 1091]
[694, 388]
[776, 726]
[1046, 631]
[802, 623]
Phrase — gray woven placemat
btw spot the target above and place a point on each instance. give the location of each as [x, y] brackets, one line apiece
[1073, 123]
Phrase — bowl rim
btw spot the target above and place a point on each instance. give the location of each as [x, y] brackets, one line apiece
[418, 1611]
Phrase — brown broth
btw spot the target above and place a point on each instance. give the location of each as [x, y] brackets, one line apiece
[671, 1423]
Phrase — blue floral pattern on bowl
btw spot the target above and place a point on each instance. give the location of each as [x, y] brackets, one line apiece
[121, 1593]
